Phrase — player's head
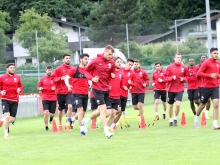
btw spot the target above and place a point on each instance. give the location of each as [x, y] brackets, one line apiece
[202, 58]
[214, 53]
[84, 59]
[117, 62]
[158, 66]
[66, 59]
[191, 62]
[10, 68]
[49, 70]
[177, 58]
[137, 64]
[108, 52]
[129, 63]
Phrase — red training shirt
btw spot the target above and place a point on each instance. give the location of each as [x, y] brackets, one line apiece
[192, 78]
[159, 85]
[115, 85]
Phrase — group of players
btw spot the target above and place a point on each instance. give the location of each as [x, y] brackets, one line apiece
[110, 84]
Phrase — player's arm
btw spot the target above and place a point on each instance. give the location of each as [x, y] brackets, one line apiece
[113, 70]
[186, 75]
[133, 80]
[55, 76]
[201, 71]
[146, 80]
[89, 69]
[40, 85]
[67, 78]
[168, 75]
[1, 83]
[20, 88]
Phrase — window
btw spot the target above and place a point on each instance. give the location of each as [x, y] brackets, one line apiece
[28, 61]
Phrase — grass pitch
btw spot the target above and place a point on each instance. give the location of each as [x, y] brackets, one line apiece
[160, 144]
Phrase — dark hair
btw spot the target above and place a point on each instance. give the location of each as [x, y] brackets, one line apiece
[115, 58]
[10, 64]
[158, 62]
[130, 60]
[81, 56]
[65, 55]
[202, 55]
[109, 47]
[137, 61]
[213, 49]
[177, 54]
[49, 67]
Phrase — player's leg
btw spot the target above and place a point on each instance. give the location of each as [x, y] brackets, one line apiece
[163, 99]
[178, 96]
[215, 101]
[191, 100]
[141, 97]
[170, 101]
[135, 101]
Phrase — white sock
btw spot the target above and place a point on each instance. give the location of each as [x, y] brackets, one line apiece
[6, 132]
[2, 119]
[171, 119]
[206, 111]
[88, 120]
[196, 119]
[164, 112]
[156, 113]
[82, 128]
[73, 118]
[214, 123]
[106, 129]
[112, 126]
[175, 118]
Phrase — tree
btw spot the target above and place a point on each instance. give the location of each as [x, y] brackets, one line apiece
[51, 45]
[107, 21]
[4, 26]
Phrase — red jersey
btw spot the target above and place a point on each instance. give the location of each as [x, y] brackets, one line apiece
[208, 67]
[47, 83]
[199, 79]
[10, 84]
[102, 68]
[141, 78]
[179, 70]
[192, 78]
[159, 85]
[115, 85]
[60, 71]
[127, 75]
[79, 81]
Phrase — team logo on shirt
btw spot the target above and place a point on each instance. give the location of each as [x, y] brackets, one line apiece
[98, 101]
[51, 81]
[129, 74]
[109, 65]
[3, 107]
[161, 74]
[202, 97]
[141, 73]
[217, 65]
[15, 79]
[182, 69]
[76, 102]
[119, 76]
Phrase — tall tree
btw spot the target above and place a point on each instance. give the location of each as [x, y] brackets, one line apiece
[4, 40]
[51, 45]
[107, 20]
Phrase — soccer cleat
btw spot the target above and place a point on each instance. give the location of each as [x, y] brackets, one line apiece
[171, 124]
[156, 118]
[174, 123]
[216, 127]
[196, 125]
[85, 125]
[109, 134]
[68, 128]
[46, 128]
[60, 128]
[51, 119]
[164, 116]
[83, 133]
[111, 130]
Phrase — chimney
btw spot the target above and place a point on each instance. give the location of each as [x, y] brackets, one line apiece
[63, 18]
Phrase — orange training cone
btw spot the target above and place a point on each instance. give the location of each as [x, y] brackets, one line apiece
[143, 124]
[115, 127]
[183, 121]
[93, 126]
[54, 126]
[203, 121]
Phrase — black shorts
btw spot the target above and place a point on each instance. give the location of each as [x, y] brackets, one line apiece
[101, 97]
[49, 105]
[193, 94]
[206, 93]
[162, 94]
[137, 98]
[10, 106]
[80, 101]
[64, 100]
[113, 103]
[93, 103]
[123, 101]
[172, 96]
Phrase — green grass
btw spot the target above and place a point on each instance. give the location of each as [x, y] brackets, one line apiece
[160, 144]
